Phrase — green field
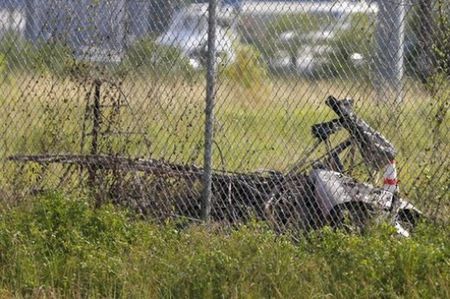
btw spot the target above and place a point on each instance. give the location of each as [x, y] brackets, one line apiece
[262, 126]
[57, 241]
[59, 247]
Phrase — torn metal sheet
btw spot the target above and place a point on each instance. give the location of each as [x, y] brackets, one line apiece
[314, 193]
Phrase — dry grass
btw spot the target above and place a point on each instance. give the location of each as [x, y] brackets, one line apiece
[263, 127]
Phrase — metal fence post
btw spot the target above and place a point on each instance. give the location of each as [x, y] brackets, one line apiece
[144, 132]
[209, 110]
[426, 60]
[96, 122]
[31, 20]
[390, 36]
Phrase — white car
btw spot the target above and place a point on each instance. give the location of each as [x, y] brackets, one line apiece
[188, 32]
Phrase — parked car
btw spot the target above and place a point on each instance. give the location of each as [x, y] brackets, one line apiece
[188, 32]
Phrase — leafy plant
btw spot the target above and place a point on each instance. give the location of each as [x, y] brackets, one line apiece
[16, 51]
[40, 56]
[357, 39]
[61, 247]
[52, 57]
[248, 70]
[147, 56]
[3, 64]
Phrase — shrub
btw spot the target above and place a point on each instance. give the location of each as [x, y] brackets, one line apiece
[55, 246]
[41, 56]
[16, 51]
[3, 64]
[62, 243]
[359, 38]
[427, 38]
[248, 70]
[53, 57]
[146, 56]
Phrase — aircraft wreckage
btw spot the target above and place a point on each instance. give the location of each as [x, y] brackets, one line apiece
[312, 194]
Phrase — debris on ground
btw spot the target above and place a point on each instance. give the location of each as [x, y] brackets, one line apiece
[313, 193]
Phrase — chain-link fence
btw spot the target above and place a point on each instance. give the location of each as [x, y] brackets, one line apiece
[230, 110]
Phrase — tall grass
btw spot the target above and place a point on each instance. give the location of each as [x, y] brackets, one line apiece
[255, 128]
[56, 246]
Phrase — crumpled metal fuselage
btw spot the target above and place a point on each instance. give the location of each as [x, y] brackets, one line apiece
[334, 191]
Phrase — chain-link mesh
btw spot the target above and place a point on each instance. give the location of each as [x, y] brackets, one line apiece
[107, 98]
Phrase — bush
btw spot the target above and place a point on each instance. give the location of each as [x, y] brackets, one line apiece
[248, 70]
[427, 53]
[359, 38]
[53, 57]
[146, 56]
[16, 51]
[63, 244]
[3, 64]
[60, 247]
[41, 56]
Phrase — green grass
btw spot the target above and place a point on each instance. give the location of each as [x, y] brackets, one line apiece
[59, 247]
[263, 126]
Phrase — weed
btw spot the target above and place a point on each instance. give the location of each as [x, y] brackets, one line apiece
[60, 246]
